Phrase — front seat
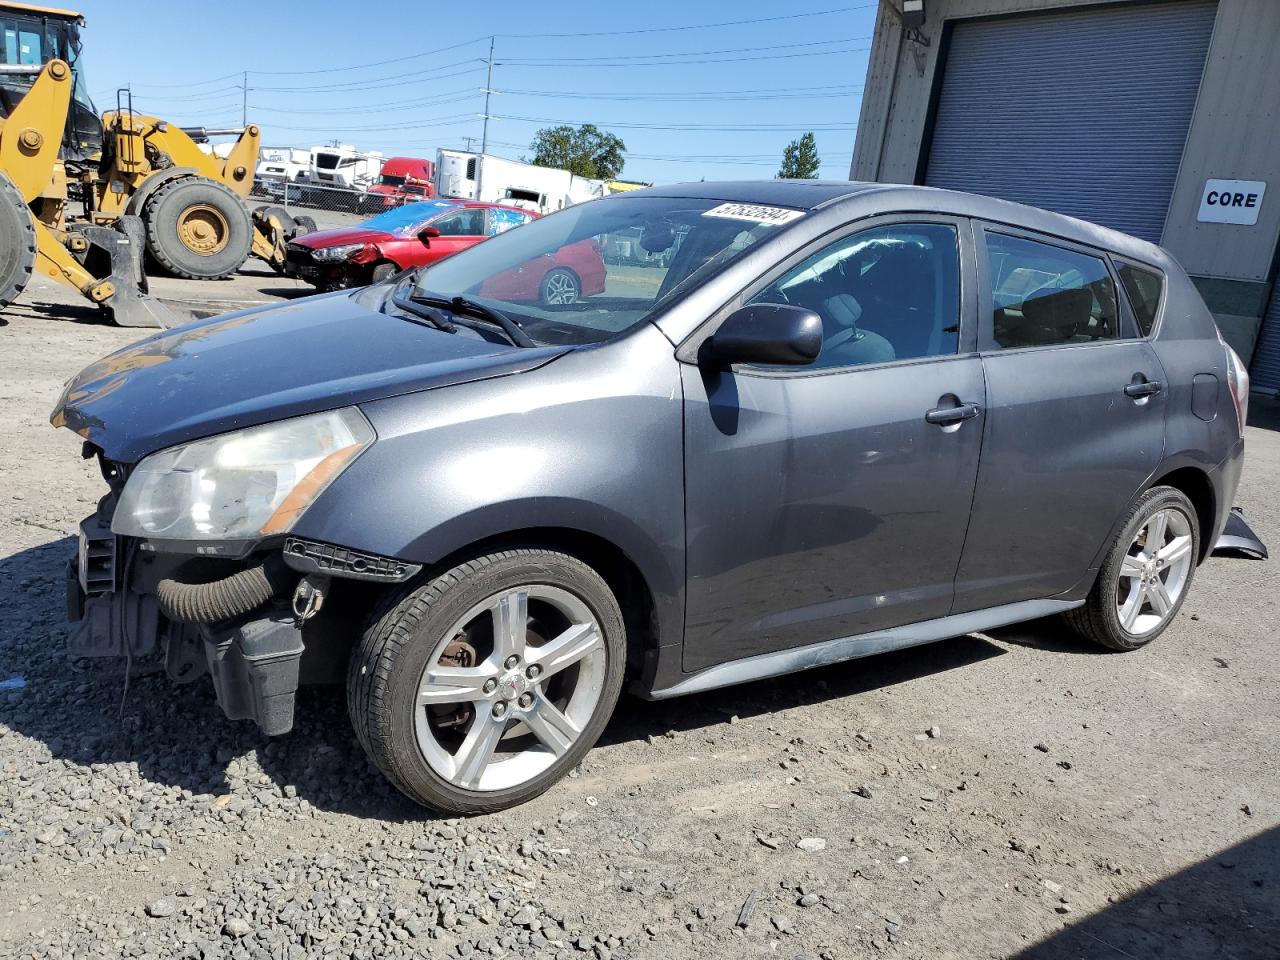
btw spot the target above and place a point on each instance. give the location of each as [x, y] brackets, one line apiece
[844, 343]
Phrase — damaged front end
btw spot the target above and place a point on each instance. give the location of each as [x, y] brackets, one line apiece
[255, 613]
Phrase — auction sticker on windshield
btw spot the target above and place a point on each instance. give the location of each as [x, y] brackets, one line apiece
[754, 213]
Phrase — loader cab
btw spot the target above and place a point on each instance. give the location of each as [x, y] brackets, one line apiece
[32, 36]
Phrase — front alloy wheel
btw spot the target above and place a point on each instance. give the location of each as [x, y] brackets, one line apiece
[480, 689]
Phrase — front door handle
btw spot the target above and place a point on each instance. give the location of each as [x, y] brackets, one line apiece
[946, 416]
[1143, 388]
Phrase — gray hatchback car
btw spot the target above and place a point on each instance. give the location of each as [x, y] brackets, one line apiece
[814, 421]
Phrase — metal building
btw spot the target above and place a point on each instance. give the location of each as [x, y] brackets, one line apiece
[1160, 118]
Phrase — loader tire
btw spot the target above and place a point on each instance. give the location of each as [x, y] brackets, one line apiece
[197, 229]
[17, 242]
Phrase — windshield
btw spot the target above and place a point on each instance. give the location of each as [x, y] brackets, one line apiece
[597, 269]
[408, 220]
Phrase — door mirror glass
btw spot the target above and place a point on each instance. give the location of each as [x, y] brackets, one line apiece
[766, 333]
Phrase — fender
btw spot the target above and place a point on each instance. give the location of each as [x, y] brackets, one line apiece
[589, 443]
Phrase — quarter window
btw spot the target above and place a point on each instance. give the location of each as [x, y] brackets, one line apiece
[501, 219]
[888, 293]
[1045, 295]
[1143, 288]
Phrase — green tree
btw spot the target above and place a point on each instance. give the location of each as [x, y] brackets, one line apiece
[586, 151]
[800, 159]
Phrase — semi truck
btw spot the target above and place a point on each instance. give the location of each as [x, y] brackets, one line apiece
[489, 179]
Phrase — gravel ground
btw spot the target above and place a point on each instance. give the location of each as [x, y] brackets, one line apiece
[991, 796]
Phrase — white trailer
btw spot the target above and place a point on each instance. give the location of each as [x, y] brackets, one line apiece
[490, 179]
[283, 163]
[344, 166]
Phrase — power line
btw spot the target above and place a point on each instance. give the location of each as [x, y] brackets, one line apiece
[710, 128]
[471, 94]
[679, 97]
[671, 63]
[686, 53]
[694, 26]
[365, 66]
[380, 82]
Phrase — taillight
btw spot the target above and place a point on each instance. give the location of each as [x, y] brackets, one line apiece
[1238, 384]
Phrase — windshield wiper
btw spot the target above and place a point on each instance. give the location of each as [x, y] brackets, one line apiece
[459, 305]
[424, 312]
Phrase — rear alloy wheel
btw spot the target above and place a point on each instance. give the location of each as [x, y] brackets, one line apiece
[559, 287]
[482, 688]
[17, 242]
[198, 229]
[1146, 574]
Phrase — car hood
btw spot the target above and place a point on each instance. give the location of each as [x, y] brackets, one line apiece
[267, 364]
[341, 235]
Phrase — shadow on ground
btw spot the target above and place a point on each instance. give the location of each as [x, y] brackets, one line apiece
[1224, 908]
[177, 735]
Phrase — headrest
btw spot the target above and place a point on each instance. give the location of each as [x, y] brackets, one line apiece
[1060, 313]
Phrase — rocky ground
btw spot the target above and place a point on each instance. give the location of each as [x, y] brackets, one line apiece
[991, 796]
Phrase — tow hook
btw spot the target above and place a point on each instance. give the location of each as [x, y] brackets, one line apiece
[309, 596]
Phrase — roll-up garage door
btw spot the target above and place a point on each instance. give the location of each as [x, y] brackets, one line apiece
[1264, 373]
[1084, 112]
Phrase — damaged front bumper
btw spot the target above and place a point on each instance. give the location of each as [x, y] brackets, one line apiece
[120, 598]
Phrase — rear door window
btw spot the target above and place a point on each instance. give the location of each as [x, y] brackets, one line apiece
[1144, 289]
[1044, 295]
[462, 223]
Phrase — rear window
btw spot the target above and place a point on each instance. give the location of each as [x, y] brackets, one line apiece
[1144, 289]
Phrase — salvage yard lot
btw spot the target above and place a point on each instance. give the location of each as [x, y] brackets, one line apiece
[982, 797]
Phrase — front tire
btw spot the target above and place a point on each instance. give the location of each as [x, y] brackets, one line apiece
[17, 242]
[198, 229]
[479, 689]
[1146, 574]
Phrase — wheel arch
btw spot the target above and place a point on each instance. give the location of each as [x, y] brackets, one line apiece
[1196, 486]
[614, 564]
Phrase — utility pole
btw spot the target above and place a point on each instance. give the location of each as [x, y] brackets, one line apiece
[488, 89]
[244, 100]
[469, 141]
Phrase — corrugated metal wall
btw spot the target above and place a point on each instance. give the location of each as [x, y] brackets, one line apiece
[1265, 369]
[1084, 111]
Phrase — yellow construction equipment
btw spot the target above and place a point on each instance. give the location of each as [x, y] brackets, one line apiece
[140, 183]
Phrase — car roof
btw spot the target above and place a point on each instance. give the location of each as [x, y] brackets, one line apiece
[904, 198]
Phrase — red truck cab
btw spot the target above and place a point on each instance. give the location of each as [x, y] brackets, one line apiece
[402, 180]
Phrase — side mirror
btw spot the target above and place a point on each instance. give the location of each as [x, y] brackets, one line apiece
[427, 234]
[766, 333]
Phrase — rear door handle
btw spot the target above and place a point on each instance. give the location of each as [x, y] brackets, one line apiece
[946, 416]
[1143, 388]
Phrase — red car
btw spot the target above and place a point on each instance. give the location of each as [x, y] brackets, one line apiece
[422, 233]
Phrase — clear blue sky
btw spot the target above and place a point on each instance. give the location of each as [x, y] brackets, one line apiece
[712, 103]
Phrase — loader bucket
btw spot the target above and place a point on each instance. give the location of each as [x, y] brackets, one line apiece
[121, 245]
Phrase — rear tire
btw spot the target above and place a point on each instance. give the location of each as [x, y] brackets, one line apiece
[1139, 591]
[198, 229]
[303, 225]
[17, 242]
[434, 750]
[559, 287]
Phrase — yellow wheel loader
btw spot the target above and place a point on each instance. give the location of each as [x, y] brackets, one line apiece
[140, 184]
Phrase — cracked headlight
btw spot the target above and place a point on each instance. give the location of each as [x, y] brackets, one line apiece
[334, 254]
[242, 485]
